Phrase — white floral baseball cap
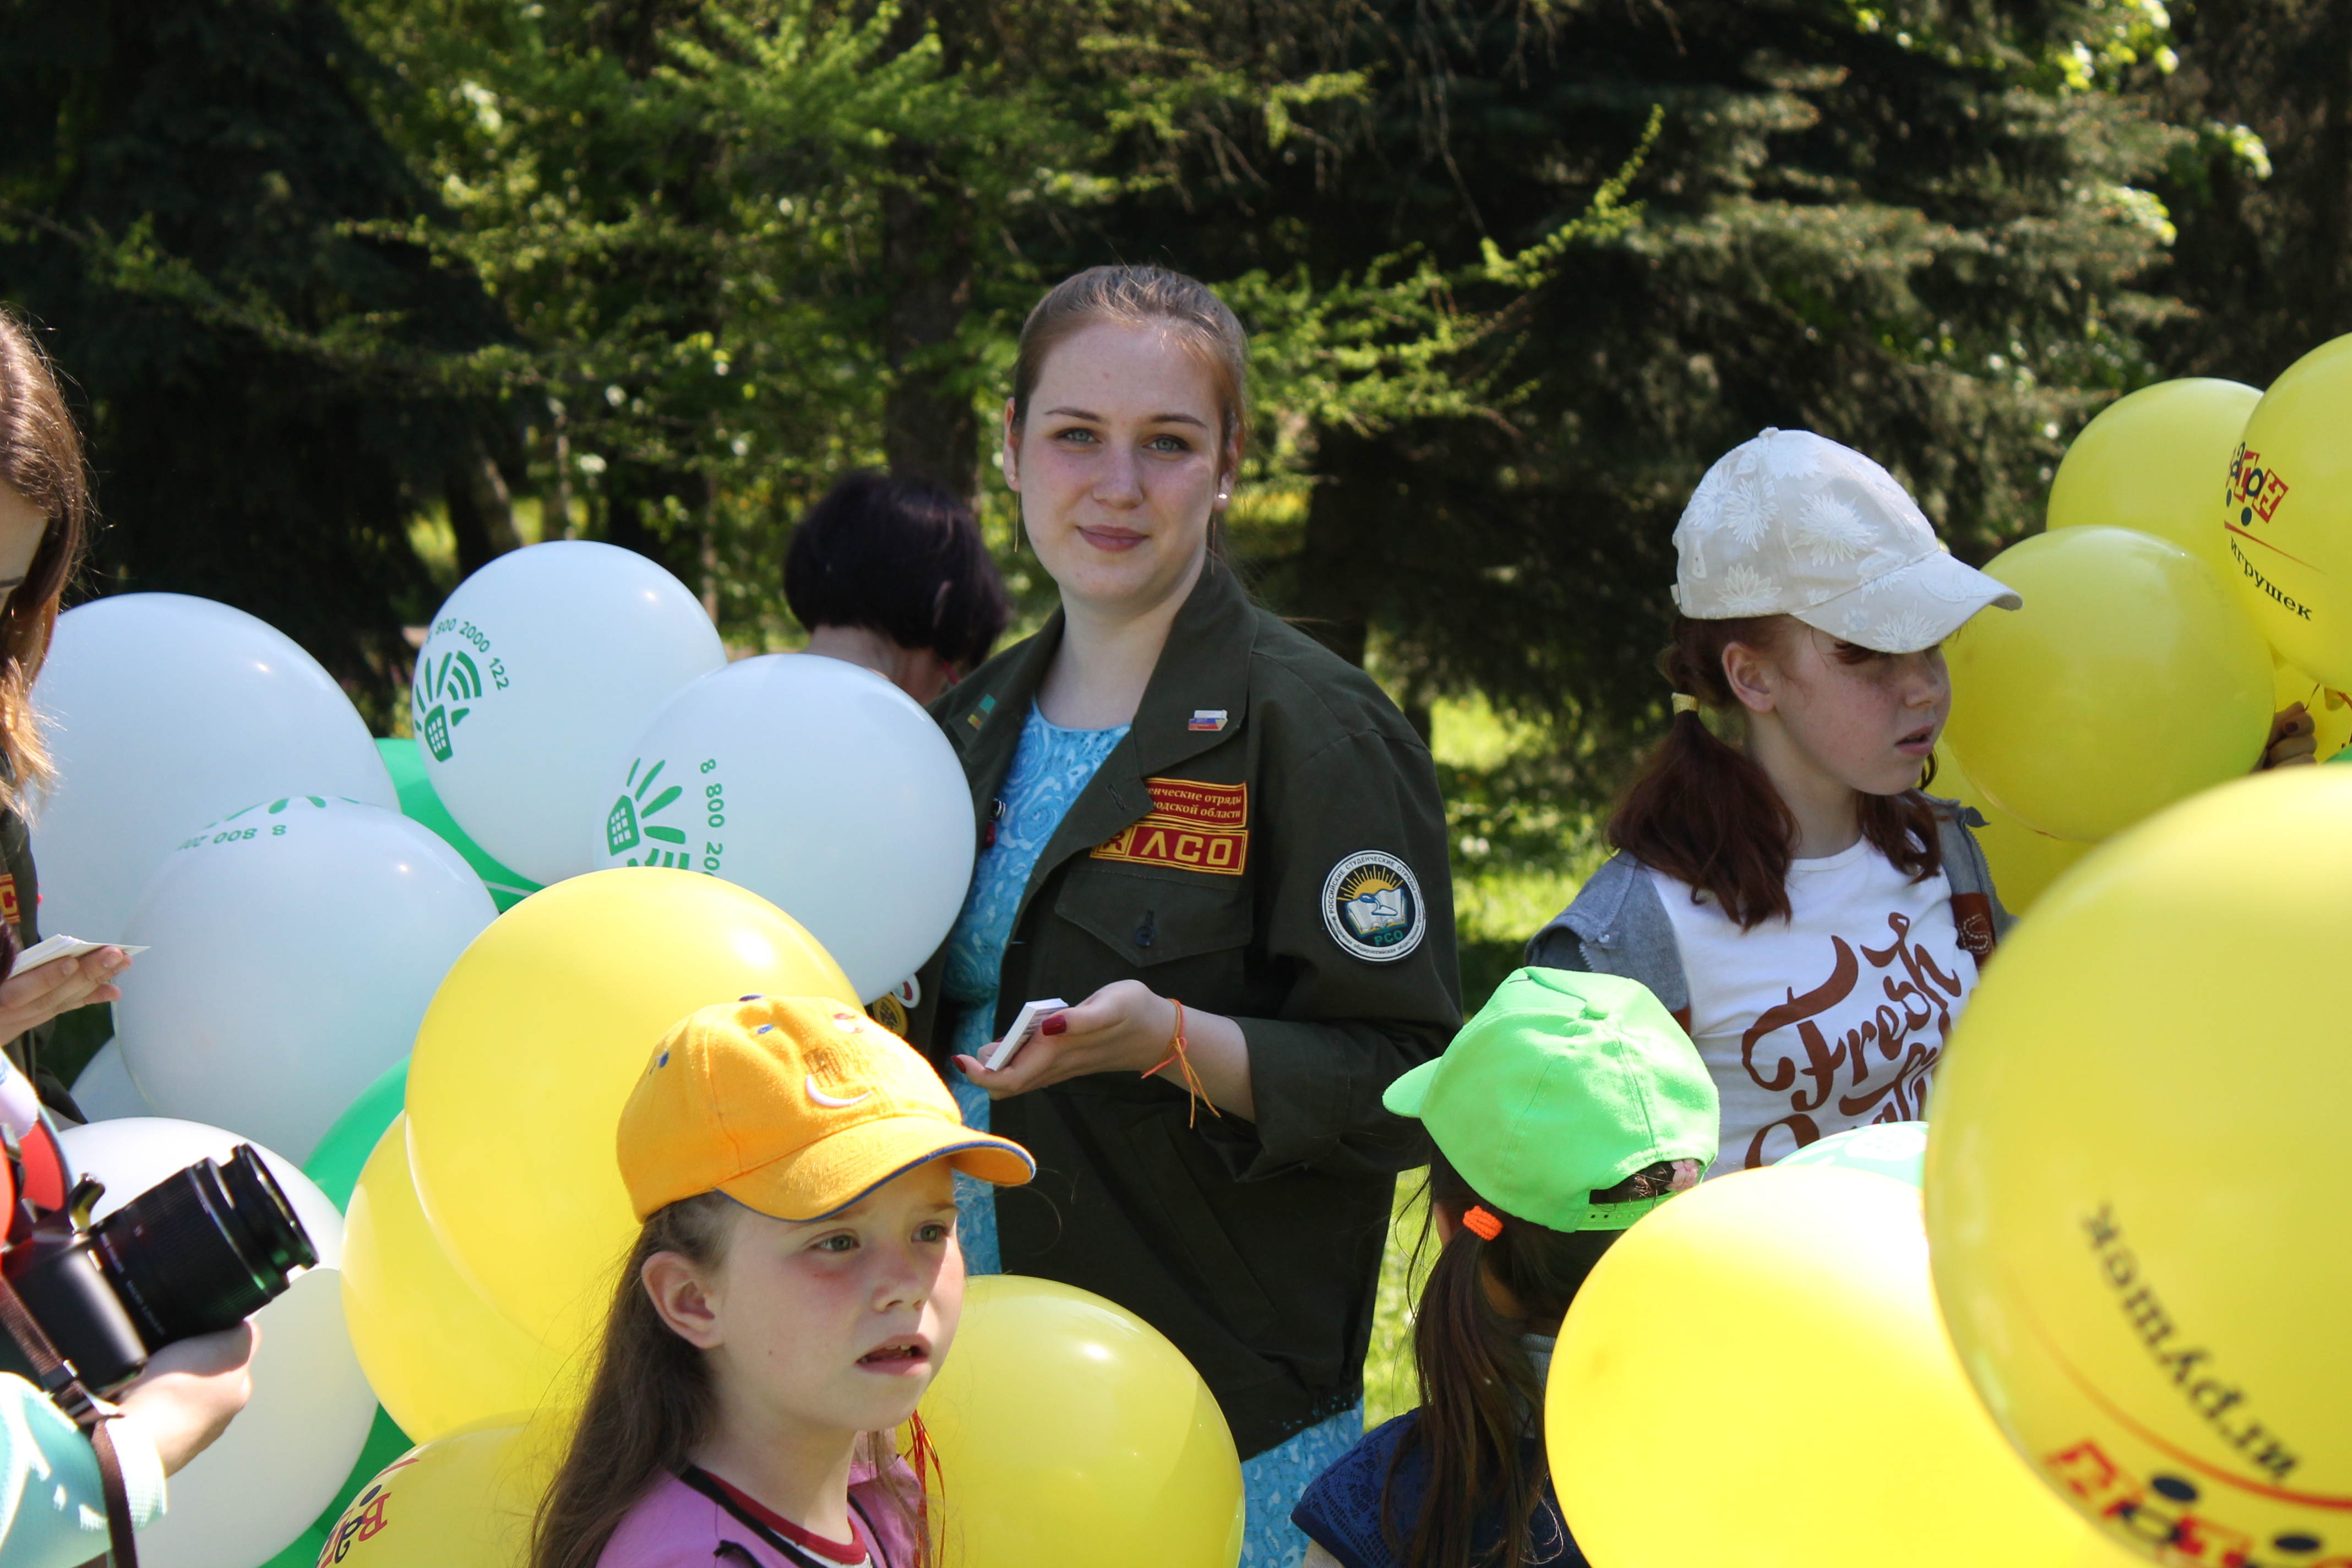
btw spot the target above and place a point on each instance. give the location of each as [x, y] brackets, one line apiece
[1791, 523]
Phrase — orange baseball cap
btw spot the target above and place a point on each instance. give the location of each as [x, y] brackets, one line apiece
[794, 1106]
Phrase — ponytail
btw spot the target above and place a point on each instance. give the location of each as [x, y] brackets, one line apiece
[1704, 812]
[1481, 1395]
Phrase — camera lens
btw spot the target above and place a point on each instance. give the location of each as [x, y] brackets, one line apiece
[202, 1250]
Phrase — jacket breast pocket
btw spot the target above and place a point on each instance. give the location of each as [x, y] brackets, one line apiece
[1152, 919]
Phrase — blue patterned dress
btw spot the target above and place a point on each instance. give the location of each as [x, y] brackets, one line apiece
[1051, 767]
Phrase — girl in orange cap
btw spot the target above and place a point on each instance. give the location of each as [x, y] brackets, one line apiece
[795, 1287]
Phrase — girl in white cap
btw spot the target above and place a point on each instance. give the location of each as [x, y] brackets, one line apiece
[1783, 883]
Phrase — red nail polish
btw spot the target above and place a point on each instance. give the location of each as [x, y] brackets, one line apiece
[1056, 1025]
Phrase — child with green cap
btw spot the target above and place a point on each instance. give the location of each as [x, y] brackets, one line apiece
[1572, 1105]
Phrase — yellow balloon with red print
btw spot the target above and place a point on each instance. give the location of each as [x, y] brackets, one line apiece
[2285, 514]
[465, 1501]
[2137, 1175]
[1754, 1375]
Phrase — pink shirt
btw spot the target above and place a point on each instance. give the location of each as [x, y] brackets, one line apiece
[673, 1526]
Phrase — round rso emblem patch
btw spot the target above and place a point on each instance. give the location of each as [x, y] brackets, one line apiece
[1372, 903]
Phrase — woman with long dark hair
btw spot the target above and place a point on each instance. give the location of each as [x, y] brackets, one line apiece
[44, 510]
[1567, 1109]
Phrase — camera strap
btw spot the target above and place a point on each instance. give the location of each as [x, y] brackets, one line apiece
[63, 1384]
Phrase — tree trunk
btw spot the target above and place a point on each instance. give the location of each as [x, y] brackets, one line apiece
[1334, 607]
[929, 432]
[481, 512]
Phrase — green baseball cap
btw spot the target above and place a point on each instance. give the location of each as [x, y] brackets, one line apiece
[1564, 1085]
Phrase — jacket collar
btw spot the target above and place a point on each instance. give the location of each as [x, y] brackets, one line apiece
[1204, 671]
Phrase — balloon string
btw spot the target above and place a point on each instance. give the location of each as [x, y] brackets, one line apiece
[1177, 1052]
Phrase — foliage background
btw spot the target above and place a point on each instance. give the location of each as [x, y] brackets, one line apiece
[355, 294]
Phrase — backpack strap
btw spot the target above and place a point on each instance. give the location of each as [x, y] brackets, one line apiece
[1618, 925]
[1976, 913]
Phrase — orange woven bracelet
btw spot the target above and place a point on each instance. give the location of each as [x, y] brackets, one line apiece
[1178, 1054]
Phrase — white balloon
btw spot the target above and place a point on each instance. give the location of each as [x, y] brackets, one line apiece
[538, 669]
[296, 944]
[163, 710]
[820, 787]
[104, 1090]
[249, 1496]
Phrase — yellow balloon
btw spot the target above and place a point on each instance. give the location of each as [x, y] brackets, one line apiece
[2331, 713]
[2150, 461]
[2287, 513]
[530, 1050]
[437, 1355]
[2137, 1173]
[1754, 1375]
[2024, 862]
[2129, 680]
[463, 1501]
[1071, 1434]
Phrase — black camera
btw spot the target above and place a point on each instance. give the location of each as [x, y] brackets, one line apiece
[199, 1252]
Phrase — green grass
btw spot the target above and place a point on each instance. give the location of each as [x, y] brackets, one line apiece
[1388, 1368]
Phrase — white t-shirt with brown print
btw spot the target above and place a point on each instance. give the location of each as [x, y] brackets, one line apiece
[1834, 1018]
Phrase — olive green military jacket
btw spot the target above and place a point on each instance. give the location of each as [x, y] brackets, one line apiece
[1267, 842]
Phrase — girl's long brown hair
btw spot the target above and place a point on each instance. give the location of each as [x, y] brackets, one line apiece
[41, 460]
[651, 1402]
[1704, 812]
[1480, 1394]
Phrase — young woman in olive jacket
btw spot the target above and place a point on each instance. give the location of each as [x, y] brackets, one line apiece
[1184, 801]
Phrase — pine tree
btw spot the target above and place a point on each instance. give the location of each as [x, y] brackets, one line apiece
[205, 223]
[1900, 226]
[2263, 194]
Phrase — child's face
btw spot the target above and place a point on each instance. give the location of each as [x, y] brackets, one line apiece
[1867, 720]
[833, 1325]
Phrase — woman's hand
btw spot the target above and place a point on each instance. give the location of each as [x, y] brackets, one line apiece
[32, 999]
[2293, 739]
[191, 1391]
[1126, 1026]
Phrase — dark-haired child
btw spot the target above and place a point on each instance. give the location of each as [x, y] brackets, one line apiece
[894, 576]
[1567, 1109]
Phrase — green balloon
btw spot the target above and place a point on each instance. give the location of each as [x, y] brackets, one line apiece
[385, 1443]
[1897, 1149]
[335, 1163]
[508, 888]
